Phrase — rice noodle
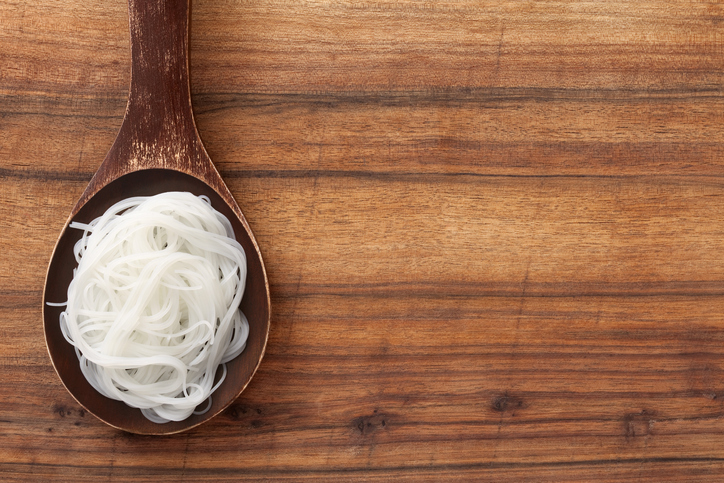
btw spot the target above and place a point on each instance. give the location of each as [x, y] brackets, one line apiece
[153, 307]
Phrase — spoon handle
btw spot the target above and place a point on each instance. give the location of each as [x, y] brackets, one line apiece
[159, 104]
[158, 129]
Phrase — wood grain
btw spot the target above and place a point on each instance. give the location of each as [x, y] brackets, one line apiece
[493, 234]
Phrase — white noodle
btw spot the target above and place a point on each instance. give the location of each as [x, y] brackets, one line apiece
[153, 307]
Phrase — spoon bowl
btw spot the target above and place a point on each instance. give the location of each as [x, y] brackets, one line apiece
[157, 150]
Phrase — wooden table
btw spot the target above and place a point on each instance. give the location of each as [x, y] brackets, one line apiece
[494, 234]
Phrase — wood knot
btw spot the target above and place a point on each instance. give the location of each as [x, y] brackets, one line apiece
[372, 423]
[238, 412]
[61, 410]
[638, 424]
[505, 403]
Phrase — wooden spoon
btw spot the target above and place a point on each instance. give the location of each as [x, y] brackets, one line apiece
[157, 149]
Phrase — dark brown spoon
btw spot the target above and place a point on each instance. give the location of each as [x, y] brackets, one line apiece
[157, 149]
